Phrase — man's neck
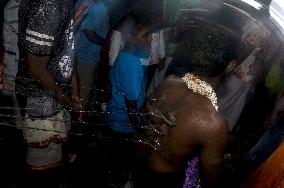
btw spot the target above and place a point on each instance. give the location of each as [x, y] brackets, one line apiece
[213, 81]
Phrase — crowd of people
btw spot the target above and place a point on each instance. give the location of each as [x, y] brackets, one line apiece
[105, 93]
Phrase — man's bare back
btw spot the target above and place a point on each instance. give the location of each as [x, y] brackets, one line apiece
[198, 131]
[185, 108]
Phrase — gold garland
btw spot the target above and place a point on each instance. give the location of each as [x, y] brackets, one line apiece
[198, 86]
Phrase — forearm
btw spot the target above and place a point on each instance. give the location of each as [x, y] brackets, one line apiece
[212, 154]
[94, 37]
[132, 111]
[75, 87]
[37, 71]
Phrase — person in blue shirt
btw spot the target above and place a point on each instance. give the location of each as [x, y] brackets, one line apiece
[91, 34]
[128, 79]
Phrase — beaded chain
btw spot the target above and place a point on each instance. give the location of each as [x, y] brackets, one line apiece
[198, 86]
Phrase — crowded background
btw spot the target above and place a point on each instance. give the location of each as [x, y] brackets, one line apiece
[141, 94]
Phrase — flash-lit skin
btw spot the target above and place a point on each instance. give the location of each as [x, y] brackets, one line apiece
[199, 131]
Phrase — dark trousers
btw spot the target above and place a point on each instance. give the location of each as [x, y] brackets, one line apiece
[267, 144]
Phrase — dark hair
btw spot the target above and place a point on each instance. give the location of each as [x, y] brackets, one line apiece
[144, 12]
[205, 50]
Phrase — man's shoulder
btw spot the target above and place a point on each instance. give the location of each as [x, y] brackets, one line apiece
[219, 123]
[203, 120]
[215, 126]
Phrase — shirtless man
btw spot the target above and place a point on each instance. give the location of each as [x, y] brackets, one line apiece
[198, 131]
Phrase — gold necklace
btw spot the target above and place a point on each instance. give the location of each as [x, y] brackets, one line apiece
[198, 86]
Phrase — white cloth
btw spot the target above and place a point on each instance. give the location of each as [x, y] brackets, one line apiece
[57, 125]
[158, 77]
[158, 48]
[116, 45]
[232, 95]
[44, 158]
[232, 92]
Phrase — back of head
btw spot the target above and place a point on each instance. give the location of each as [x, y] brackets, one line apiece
[144, 12]
[205, 50]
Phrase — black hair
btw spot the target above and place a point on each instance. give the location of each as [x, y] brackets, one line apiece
[205, 50]
[144, 12]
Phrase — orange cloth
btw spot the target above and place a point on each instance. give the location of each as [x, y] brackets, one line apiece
[271, 173]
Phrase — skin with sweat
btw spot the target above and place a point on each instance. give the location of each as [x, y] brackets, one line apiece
[199, 131]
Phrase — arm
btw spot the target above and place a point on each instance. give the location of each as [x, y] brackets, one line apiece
[38, 41]
[37, 70]
[94, 37]
[80, 15]
[75, 97]
[92, 23]
[213, 144]
[132, 111]
[75, 88]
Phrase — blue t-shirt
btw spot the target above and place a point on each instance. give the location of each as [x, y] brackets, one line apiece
[96, 19]
[128, 82]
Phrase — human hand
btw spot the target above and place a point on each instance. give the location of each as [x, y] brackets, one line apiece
[270, 118]
[75, 105]
[78, 104]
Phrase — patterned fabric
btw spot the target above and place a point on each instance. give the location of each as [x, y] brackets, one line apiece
[192, 176]
[46, 29]
[41, 138]
[45, 147]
